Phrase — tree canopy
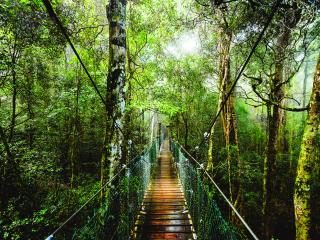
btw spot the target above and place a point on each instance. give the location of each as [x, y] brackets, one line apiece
[236, 83]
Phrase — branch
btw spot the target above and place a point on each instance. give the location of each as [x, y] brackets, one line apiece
[202, 4]
[90, 27]
[268, 101]
[6, 144]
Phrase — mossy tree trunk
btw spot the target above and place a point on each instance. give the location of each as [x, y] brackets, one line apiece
[228, 115]
[210, 162]
[275, 116]
[269, 169]
[229, 120]
[309, 157]
[304, 90]
[112, 154]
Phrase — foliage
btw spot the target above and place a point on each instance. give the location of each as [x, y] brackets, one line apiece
[53, 123]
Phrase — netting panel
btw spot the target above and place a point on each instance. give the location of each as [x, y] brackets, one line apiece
[115, 219]
[206, 216]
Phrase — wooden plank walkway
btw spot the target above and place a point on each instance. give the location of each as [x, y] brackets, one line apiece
[164, 213]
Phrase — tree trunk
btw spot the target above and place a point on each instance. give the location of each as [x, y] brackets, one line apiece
[112, 151]
[6, 145]
[14, 58]
[209, 167]
[186, 129]
[304, 91]
[211, 140]
[9, 174]
[75, 138]
[14, 103]
[269, 169]
[129, 123]
[274, 125]
[229, 121]
[291, 18]
[29, 99]
[309, 157]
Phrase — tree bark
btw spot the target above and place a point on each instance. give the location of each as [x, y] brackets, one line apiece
[304, 91]
[186, 129]
[275, 115]
[229, 120]
[274, 123]
[112, 154]
[75, 138]
[209, 167]
[309, 157]
[14, 103]
[7, 168]
[210, 161]
[14, 57]
[30, 101]
[269, 169]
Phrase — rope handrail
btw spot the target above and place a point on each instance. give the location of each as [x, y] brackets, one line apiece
[123, 167]
[219, 190]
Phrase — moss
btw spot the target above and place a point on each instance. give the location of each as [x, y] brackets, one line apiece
[307, 161]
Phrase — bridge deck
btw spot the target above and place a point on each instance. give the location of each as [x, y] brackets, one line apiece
[164, 213]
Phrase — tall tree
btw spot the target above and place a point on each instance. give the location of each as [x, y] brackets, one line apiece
[74, 148]
[275, 115]
[272, 82]
[309, 157]
[113, 144]
[225, 36]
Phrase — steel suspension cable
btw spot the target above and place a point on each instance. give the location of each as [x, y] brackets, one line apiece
[94, 195]
[221, 192]
[56, 19]
[87, 202]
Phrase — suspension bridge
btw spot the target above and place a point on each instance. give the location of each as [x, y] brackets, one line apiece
[164, 212]
[160, 194]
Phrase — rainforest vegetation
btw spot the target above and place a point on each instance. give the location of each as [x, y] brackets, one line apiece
[87, 85]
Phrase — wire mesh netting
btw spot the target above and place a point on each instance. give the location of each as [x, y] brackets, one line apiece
[115, 218]
[206, 216]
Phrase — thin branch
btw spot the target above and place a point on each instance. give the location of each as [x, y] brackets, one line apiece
[202, 4]
[270, 102]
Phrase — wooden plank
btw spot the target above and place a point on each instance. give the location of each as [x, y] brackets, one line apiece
[157, 200]
[154, 236]
[165, 217]
[166, 228]
[181, 203]
[182, 222]
[162, 207]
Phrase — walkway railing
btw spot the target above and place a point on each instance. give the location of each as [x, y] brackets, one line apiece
[116, 217]
[207, 219]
